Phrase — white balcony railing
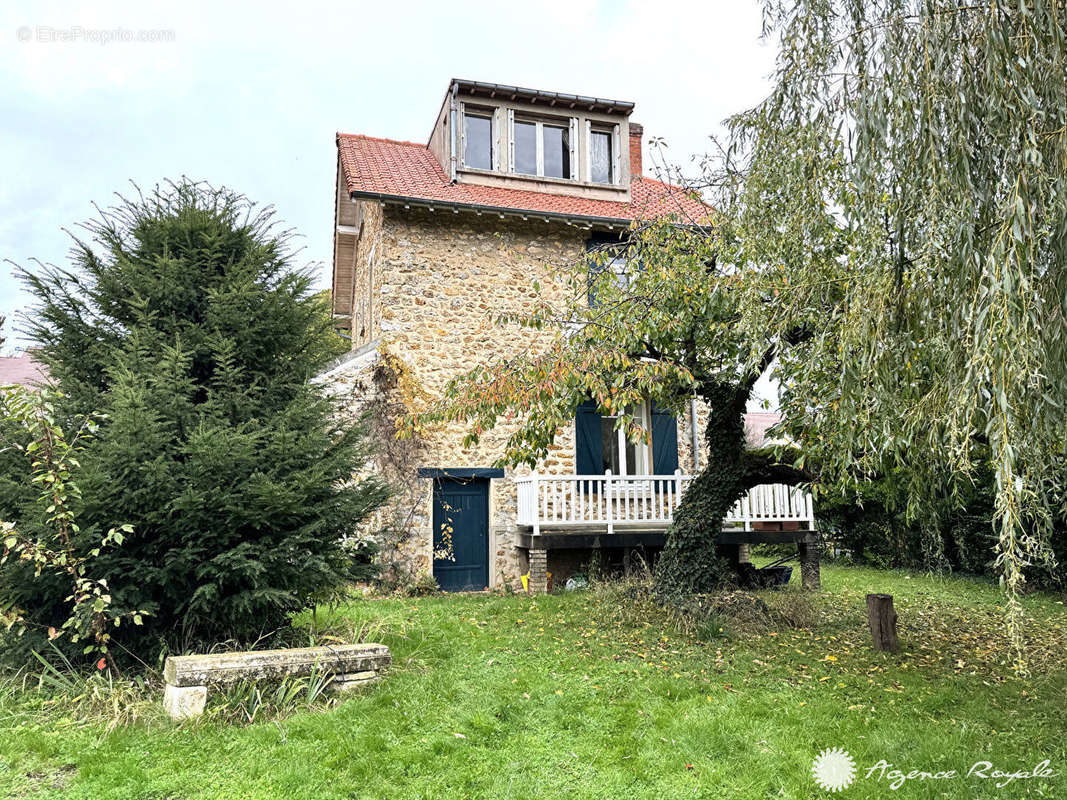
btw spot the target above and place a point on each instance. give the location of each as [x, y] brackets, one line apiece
[641, 501]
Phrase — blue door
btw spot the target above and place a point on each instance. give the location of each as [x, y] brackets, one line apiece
[461, 513]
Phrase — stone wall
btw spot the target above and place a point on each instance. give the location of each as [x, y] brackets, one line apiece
[435, 285]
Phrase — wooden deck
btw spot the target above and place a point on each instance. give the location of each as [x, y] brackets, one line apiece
[613, 504]
[579, 512]
[584, 539]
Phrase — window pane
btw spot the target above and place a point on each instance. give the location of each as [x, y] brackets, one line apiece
[637, 453]
[478, 151]
[557, 152]
[632, 467]
[609, 438]
[526, 147]
[600, 157]
[618, 266]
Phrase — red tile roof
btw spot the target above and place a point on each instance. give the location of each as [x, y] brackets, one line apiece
[23, 370]
[393, 169]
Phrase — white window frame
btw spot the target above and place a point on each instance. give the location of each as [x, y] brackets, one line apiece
[642, 451]
[539, 139]
[616, 157]
[494, 149]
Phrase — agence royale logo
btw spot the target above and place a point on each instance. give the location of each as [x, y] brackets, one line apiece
[835, 770]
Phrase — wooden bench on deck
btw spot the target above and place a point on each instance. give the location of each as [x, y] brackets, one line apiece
[188, 677]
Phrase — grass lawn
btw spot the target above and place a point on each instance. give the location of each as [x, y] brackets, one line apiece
[595, 694]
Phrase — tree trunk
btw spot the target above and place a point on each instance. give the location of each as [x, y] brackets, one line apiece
[691, 563]
[882, 620]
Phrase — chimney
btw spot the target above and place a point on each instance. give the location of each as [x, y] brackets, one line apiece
[637, 132]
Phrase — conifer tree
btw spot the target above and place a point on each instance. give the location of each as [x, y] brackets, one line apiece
[184, 323]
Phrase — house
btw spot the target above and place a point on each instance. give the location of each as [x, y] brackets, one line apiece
[435, 240]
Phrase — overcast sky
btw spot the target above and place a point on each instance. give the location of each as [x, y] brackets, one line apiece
[251, 98]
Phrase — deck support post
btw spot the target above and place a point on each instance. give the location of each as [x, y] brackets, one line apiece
[809, 565]
[538, 571]
[744, 554]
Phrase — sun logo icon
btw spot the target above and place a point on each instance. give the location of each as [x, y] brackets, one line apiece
[834, 769]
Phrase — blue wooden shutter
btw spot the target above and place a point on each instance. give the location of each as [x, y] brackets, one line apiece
[589, 451]
[664, 442]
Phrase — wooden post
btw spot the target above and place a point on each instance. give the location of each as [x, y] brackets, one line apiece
[883, 621]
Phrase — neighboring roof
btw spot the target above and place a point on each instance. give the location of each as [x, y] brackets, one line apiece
[355, 361]
[534, 95]
[756, 425]
[22, 370]
[395, 171]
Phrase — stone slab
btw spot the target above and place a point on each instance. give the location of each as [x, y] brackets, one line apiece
[345, 683]
[224, 668]
[184, 702]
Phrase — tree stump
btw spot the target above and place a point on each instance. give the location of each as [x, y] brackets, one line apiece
[882, 620]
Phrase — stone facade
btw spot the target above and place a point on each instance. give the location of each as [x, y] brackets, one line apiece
[427, 288]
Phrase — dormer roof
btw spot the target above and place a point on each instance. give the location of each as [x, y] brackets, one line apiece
[560, 100]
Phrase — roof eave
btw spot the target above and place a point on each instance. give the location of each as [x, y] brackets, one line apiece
[581, 220]
[519, 92]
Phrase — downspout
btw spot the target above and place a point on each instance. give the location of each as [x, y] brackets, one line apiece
[695, 434]
[452, 133]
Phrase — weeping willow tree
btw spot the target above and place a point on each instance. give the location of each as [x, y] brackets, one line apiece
[902, 192]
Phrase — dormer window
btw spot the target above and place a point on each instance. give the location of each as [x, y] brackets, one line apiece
[602, 156]
[478, 139]
[542, 147]
[526, 147]
[557, 151]
[498, 140]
